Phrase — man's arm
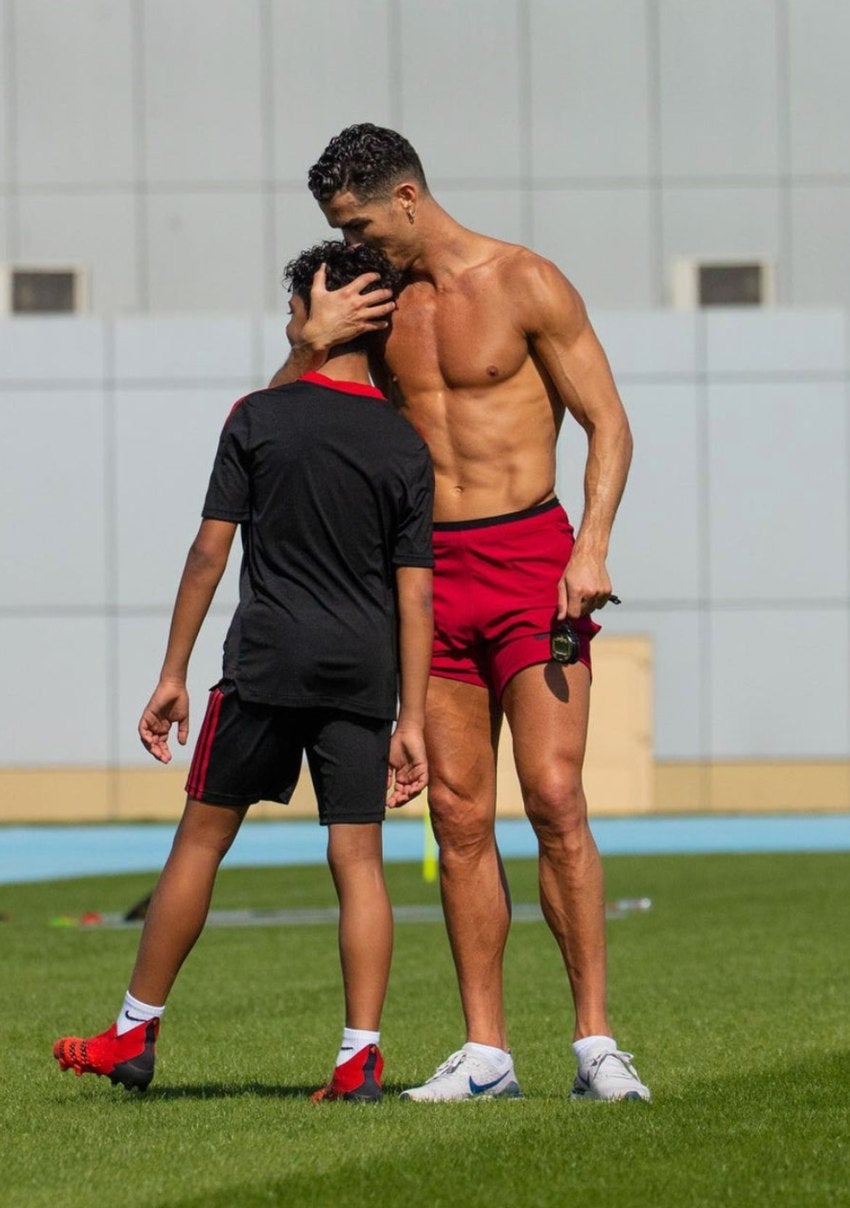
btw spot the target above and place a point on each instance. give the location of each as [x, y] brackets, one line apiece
[204, 567]
[563, 339]
[335, 317]
[408, 763]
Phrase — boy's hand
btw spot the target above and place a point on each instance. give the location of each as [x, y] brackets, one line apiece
[169, 704]
[408, 770]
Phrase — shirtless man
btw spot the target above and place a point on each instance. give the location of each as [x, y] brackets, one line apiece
[486, 348]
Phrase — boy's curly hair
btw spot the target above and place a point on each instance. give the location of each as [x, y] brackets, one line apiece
[343, 263]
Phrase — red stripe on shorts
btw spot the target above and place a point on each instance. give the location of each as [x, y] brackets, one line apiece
[201, 761]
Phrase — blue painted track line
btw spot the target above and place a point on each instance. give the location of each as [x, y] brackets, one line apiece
[42, 853]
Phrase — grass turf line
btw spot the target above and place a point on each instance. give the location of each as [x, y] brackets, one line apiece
[732, 992]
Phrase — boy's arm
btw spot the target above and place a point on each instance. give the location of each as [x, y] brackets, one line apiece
[204, 567]
[408, 763]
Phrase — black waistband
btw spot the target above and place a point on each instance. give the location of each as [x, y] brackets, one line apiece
[448, 526]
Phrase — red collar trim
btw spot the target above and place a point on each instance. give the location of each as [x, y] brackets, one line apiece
[319, 379]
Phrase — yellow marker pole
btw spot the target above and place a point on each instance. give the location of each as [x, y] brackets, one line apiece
[429, 850]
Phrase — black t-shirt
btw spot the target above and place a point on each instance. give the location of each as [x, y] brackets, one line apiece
[333, 490]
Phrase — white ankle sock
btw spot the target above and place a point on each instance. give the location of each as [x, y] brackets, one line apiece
[588, 1045]
[133, 1012]
[353, 1040]
[500, 1058]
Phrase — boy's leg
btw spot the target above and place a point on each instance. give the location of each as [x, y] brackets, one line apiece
[348, 756]
[365, 950]
[181, 900]
[175, 918]
[355, 856]
[236, 761]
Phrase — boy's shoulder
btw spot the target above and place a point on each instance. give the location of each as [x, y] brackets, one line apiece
[392, 422]
[266, 395]
[259, 398]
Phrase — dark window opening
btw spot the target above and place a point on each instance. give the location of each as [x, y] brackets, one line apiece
[43, 291]
[731, 284]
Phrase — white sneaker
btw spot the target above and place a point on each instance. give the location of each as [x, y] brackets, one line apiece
[609, 1075]
[466, 1075]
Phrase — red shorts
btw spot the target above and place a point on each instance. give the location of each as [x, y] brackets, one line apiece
[496, 594]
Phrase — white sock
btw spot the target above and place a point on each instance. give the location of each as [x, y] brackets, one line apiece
[585, 1048]
[133, 1012]
[500, 1058]
[353, 1040]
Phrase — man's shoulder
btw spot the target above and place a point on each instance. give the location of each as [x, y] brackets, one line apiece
[520, 264]
[539, 289]
[516, 268]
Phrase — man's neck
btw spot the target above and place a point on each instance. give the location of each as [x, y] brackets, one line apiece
[447, 249]
[347, 367]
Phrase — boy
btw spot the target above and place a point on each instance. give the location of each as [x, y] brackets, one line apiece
[334, 493]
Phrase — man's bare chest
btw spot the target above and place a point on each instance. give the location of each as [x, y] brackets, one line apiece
[452, 341]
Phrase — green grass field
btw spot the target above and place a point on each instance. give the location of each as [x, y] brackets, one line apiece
[732, 991]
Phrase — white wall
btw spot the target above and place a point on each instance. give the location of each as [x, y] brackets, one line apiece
[731, 547]
[165, 145]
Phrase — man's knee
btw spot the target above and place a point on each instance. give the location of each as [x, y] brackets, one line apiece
[463, 826]
[555, 802]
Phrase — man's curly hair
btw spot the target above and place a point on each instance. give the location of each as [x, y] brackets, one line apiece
[343, 263]
[367, 161]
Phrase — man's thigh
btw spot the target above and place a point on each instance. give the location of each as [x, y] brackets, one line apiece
[462, 733]
[547, 708]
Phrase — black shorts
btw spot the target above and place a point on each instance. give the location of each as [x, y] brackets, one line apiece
[248, 752]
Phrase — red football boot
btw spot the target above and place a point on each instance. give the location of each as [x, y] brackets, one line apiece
[357, 1080]
[128, 1059]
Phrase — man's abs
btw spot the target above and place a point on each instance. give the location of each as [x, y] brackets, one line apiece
[463, 374]
[492, 445]
[493, 450]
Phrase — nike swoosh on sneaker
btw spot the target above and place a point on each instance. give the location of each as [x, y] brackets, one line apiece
[476, 1088]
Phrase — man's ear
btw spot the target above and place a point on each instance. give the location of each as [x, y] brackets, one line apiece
[407, 193]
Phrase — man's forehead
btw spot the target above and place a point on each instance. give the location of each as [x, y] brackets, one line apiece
[343, 207]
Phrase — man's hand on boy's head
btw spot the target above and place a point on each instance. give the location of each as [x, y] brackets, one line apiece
[169, 704]
[338, 315]
[408, 770]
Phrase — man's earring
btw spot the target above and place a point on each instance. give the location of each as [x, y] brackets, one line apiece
[410, 216]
